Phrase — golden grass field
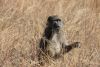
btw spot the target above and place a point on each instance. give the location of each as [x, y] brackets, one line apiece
[22, 23]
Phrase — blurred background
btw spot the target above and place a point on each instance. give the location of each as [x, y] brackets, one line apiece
[22, 23]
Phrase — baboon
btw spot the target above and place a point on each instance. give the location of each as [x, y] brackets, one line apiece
[53, 43]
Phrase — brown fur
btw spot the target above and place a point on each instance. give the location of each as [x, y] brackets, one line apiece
[53, 43]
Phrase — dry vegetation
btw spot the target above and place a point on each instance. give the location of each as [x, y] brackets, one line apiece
[22, 23]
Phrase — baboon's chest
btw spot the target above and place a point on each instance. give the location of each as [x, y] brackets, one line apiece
[54, 46]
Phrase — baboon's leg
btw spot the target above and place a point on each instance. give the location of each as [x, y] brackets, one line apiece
[68, 48]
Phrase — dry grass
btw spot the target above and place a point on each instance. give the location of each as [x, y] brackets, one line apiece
[22, 23]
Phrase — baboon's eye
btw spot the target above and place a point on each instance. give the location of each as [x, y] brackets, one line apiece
[58, 19]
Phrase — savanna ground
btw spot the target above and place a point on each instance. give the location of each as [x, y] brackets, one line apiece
[22, 23]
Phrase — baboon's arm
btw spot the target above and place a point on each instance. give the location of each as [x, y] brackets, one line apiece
[67, 48]
[43, 44]
[71, 46]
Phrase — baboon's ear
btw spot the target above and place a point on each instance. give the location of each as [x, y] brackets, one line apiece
[48, 24]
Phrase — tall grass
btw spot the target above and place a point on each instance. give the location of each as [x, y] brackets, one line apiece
[22, 23]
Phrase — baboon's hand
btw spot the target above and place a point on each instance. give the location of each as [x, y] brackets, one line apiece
[76, 44]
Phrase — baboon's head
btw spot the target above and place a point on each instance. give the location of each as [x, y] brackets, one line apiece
[54, 22]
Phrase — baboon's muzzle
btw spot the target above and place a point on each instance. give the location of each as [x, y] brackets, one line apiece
[58, 25]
